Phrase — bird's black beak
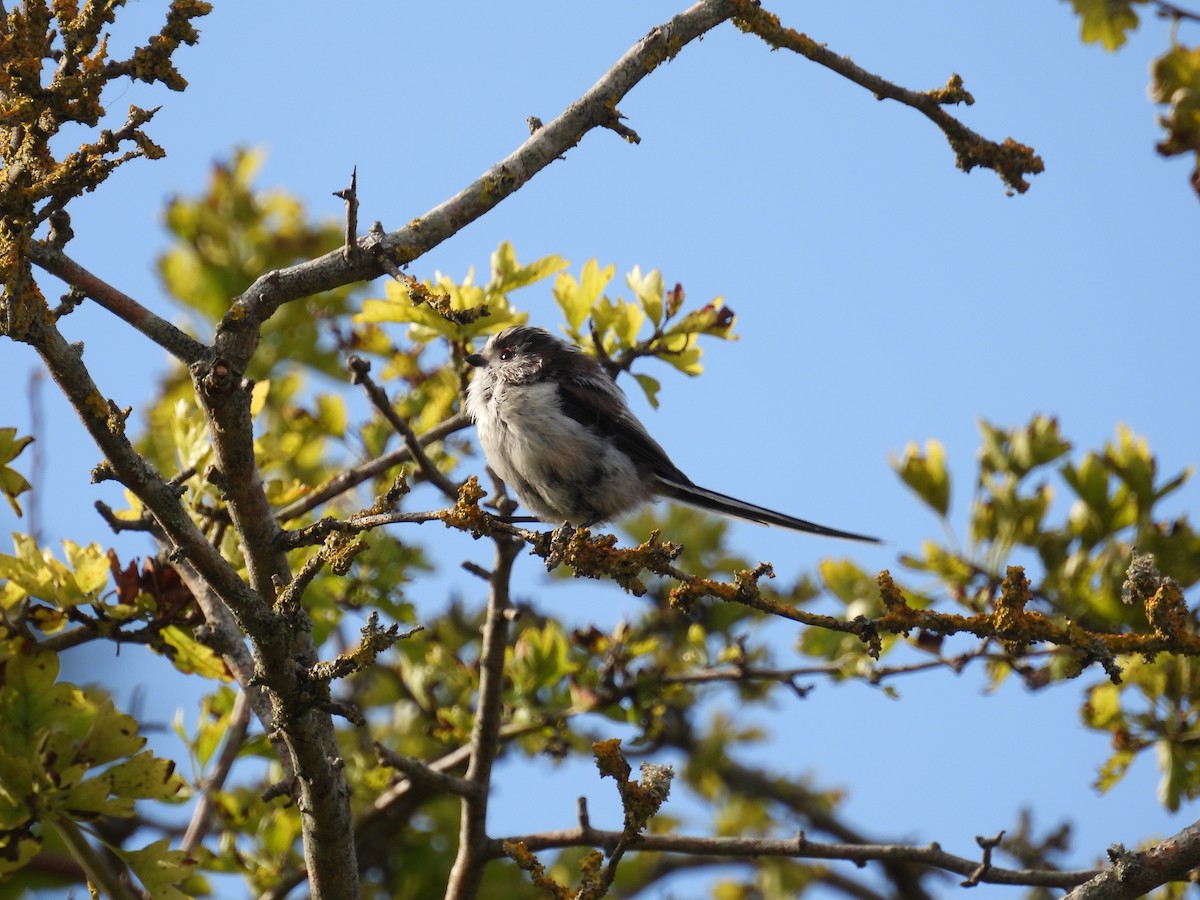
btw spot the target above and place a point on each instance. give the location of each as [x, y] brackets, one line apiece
[476, 360]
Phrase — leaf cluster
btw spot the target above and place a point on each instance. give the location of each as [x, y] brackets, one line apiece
[1175, 74]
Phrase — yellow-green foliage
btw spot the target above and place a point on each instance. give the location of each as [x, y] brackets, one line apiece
[69, 758]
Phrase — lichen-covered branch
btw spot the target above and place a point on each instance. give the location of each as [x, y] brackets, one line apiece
[1010, 160]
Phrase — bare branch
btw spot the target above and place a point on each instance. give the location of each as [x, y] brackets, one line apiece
[1135, 874]
[352, 477]
[360, 373]
[350, 195]
[235, 737]
[180, 345]
[316, 532]
[797, 848]
[425, 775]
[1174, 11]
[467, 874]
[1010, 160]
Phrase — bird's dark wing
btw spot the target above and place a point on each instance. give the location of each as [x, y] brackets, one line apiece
[605, 413]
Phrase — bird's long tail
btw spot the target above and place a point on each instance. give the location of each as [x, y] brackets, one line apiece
[703, 498]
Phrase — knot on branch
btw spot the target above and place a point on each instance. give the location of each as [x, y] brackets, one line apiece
[743, 589]
[1012, 623]
[340, 550]
[953, 93]
[216, 378]
[1011, 160]
[898, 617]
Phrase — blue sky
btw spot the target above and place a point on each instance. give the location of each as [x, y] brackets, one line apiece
[883, 297]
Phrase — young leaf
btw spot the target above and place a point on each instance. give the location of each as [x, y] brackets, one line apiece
[1106, 21]
[12, 482]
[926, 474]
[649, 291]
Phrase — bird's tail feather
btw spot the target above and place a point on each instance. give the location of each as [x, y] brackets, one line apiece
[703, 498]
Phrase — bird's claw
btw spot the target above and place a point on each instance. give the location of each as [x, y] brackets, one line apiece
[556, 552]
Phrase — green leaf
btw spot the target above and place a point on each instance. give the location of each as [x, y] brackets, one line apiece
[628, 322]
[1114, 770]
[683, 354]
[714, 318]
[1174, 71]
[508, 274]
[464, 310]
[950, 567]
[145, 777]
[36, 572]
[1037, 444]
[113, 735]
[926, 474]
[1173, 787]
[160, 869]
[1177, 82]
[651, 387]
[12, 482]
[1106, 21]
[19, 852]
[848, 582]
[331, 414]
[55, 738]
[649, 291]
[1103, 708]
[91, 565]
[193, 658]
[576, 298]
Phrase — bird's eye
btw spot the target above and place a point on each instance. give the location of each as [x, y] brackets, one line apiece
[507, 353]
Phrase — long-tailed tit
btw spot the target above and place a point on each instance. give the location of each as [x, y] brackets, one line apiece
[556, 428]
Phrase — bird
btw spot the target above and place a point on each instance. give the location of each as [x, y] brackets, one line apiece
[556, 428]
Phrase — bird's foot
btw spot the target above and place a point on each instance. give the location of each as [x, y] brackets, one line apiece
[556, 552]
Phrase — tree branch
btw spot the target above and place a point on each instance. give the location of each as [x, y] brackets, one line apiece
[796, 848]
[180, 345]
[235, 737]
[237, 334]
[1135, 874]
[352, 477]
[360, 373]
[467, 874]
[425, 775]
[1010, 160]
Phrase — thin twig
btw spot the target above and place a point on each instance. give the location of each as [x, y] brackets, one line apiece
[1172, 11]
[351, 250]
[1010, 160]
[235, 737]
[352, 477]
[360, 372]
[424, 775]
[313, 534]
